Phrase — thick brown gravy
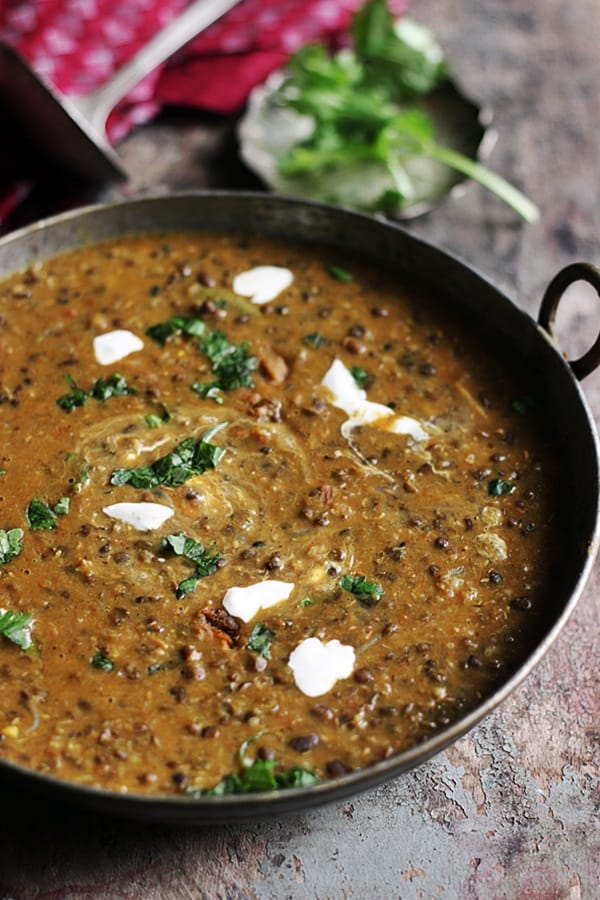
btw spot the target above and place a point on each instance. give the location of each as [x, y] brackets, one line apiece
[422, 553]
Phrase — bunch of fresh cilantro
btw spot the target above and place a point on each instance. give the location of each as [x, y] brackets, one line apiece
[362, 118]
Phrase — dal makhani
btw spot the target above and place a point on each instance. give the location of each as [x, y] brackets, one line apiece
[266, 515]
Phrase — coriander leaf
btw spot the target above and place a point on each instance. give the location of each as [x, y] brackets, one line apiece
[100, 661]
[314, 339]
[206, 561]
[101, 390]
[185, 461]
[231, 363]
[366, 592]
[62, 507]
[16, 627]
[208, 392]
[306, 601]
[39, 516]
[260, 640]
[154, 420]
[11, 543]
[360, 375]
[339, 273]
[402, 55]
[498, 486]
[259, 776]
[371, 145]
[114, 386]
[295, 776]
[176, 325]
[76, 396]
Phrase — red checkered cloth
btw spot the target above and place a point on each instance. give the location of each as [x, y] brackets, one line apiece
[77, 44]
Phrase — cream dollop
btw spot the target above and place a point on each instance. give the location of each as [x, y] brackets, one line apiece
[115, 345]
[245, 602]
[317, 666]
[262, 283]
[143, 516]
[343, 392]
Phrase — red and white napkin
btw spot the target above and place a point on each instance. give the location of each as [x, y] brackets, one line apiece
[77, 44]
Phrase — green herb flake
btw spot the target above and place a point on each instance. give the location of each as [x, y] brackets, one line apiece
[360, 375]
[260, 775]
[366, 592]
[189, 325]
[305, 602]
[100, 661]
[232, 364]
[155, 420]
[184, 462]
[62, 507]
[314, 339]
[75, 397]
[205, 561]
[339, 273]
[39, 516]
[208, 392]
[11, 544]
[498, 486]
[260, 640]
[16, 627]
[114, 386]
[101, 390]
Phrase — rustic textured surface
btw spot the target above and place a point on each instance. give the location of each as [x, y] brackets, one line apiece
[511, 809]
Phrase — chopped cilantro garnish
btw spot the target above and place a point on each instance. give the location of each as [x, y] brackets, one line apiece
[314, 339]
[306, 601]
[185, 461]
[231, 363]
[16, 627]
[154, 420]
[62, 507]
[339, 273]
[100, 661]
[260, 640]
[115, 386]
[11, 543]
[101, 390]
[176, 325]
[364, 104]
[360, 375]
[498, 486]
[366, 592]
[205, 561]
[41, 517]
[259, 776]
[208, 392]
[76, 396]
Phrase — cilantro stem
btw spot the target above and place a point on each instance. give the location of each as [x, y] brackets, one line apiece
[490, 180]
